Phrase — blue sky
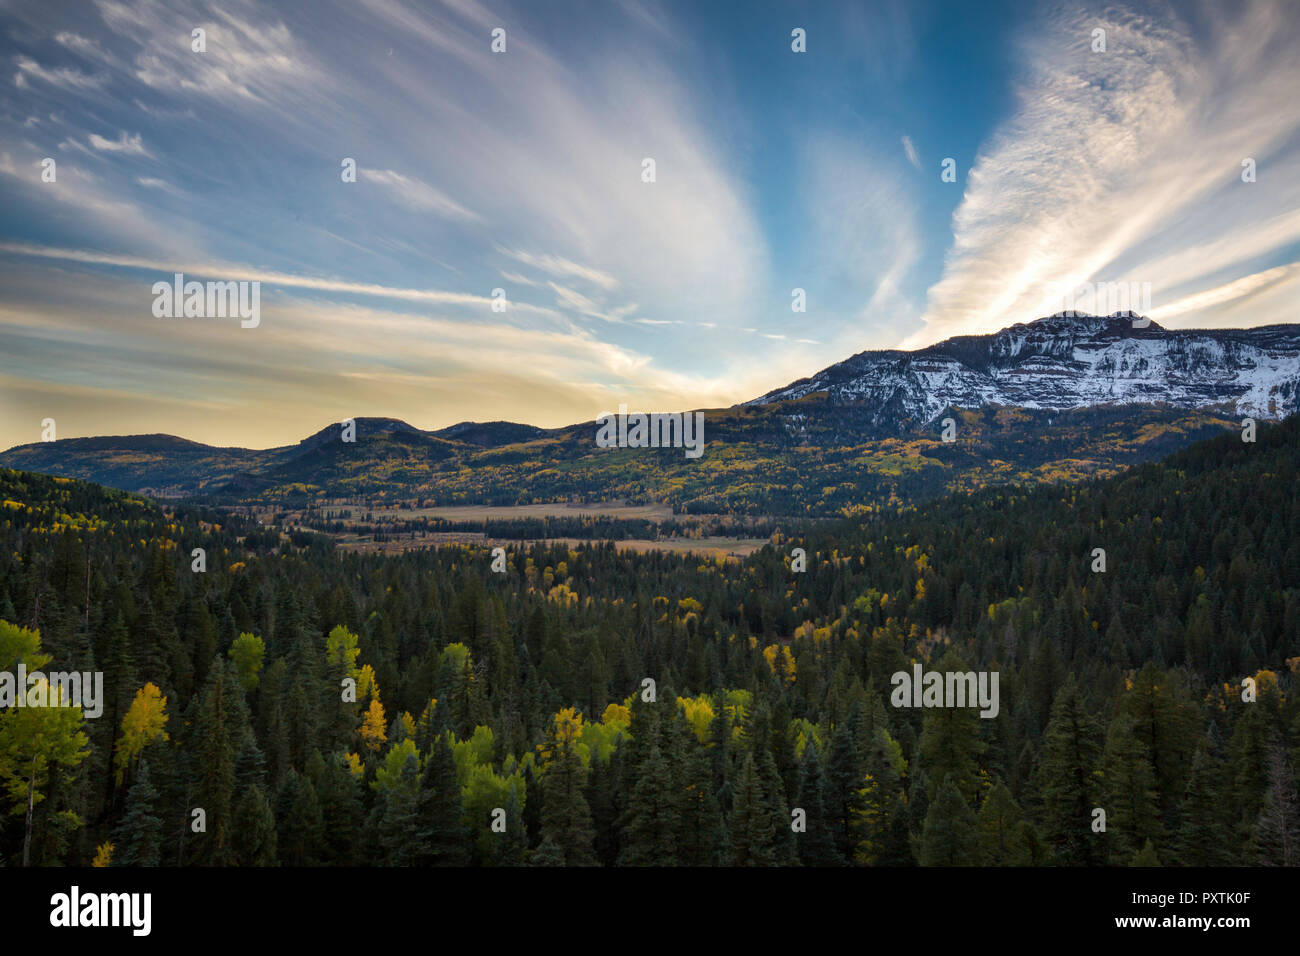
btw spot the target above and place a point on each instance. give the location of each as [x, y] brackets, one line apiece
[522, 171]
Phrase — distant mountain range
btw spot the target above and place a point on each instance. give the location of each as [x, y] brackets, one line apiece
[1062, 397]
[1070, 361]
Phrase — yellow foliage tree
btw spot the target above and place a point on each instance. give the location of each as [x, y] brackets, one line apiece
[617, 714]
[373, 732]
[698, 712]
[367, 685]
[565, 732]
[781, 661]
[103, 855]
[341, 650]
[142, 725]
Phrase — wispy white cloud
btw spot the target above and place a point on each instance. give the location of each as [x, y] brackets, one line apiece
[1114, 158]
[416, 193]
[910, 152]
[153, 182]
[560, 267]
[82, 46]
[63, 77]
[127, 145]
[1244, 287]
[239, 272]
[246, 59]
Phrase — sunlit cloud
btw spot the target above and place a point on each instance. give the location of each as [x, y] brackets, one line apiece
[1108, 151]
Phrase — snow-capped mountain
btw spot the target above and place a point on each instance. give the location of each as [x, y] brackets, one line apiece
[1068, 361]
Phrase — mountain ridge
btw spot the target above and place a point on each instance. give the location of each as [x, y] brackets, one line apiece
[1059, 397]
[1070, 361]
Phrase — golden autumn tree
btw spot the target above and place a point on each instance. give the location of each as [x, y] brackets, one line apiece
[373, 729]
[781, 661]
[142, 724]
[367, 685]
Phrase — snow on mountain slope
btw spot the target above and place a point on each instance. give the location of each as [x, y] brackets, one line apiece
[1070, 361]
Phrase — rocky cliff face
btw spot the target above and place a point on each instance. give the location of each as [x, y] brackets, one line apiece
[1069, 361]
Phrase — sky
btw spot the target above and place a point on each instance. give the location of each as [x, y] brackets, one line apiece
[524, 171]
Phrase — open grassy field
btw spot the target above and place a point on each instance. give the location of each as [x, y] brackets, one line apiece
[710, 546]
[600, 509]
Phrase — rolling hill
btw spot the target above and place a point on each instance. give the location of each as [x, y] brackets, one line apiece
[1062, 398]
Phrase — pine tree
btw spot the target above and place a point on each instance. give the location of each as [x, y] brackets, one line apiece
[1164, 720]
[254, 839]
[784, 852]
[950, 740]
[879, 796]
[1203, 820]
[300, 824]
[219, 729]
[1067, 773]
[401, 834]
[749, 828]
[701, 837]
[566, 818]
[547, 853]
[602, 791]
[817, 842]
[1277, 831]
[1130, 791]
[999, 823]
[651, 823]
[949, 837]
[514, 842]
[138, 840]
[1249, 764]
[440, 835]
[1146, 856]
[844, 775]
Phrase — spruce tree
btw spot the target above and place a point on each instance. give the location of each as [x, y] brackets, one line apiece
[300, 825]
[950, 740]
[255, 834]
[817, 843]
[1146, 856]
[566, 818]
[139, 838]
[440, 838]
[401, 837]
[219, 729]
[340, 805]
[1277, 830]
[547, 853]
[749, 828]
[1203, 820]
[701, 837]
[651, 823]
[949, 837]
[1068, 778]
[844, 775]
[1128, 782]
[999, 823]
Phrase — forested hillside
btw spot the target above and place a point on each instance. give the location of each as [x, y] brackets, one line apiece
[614, 708]
[807, 457]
